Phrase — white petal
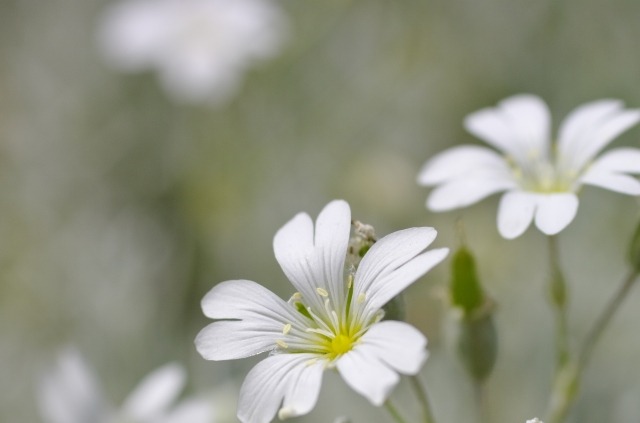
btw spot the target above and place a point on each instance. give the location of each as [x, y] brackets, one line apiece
[384, 288]
[196, 410]
[310, 264]
[391, 252]
[155, 393]
[609, 171]
[620, 160]
[70, 393]
[289, 377]
[132, 34]
[399, 345]
[232, 339]
[304, 388]
[555, 212]
[292, 243]
[464, 192]
[367, 375]
[617, 182]
[601, 135]
[519, 126]
[262, 316]
[242, 299]
[515, 213]
[580, 123]
[195, 78]
[333, 229]
[529, 117]
[459, 162]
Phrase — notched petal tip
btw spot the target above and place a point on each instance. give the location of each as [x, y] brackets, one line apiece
[555, 212]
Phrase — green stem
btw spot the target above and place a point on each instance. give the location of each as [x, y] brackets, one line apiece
[567, 382]
[394, 412]
[558, 296]
[481, 402]
[423, 398]
[604, 319]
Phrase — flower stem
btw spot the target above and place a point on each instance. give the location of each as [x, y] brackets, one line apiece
[567, 382]
[604, 319]
[481, 402]
[423, 398]
[394, 412]
[558, 296]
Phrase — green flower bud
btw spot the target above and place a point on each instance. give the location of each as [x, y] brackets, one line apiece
[478, 346]
[477, 340]
[465, 290]
[634, 250]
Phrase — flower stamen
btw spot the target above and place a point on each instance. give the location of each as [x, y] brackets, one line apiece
[322, 292]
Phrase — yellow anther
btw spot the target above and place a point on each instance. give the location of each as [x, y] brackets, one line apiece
[282, 344]
[286, 412]
[296, 296]
[361, 298]
[349, 281]
[286, 328]
[322, 292]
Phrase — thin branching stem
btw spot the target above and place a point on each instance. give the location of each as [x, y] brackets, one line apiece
[394, 412]
[568, 383]
[604, 319]
[558, 296]
[423, 398]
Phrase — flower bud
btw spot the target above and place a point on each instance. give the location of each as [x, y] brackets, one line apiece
[477, 340]
[634, 250]
[478, 346]
[362, 239]
[465, 291]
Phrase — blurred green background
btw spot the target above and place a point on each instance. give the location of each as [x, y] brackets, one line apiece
[121, 209]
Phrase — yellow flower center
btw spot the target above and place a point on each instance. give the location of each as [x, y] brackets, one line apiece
[340, 345]
[542, 175]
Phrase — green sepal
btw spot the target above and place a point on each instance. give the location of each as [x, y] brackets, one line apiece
[478, 346]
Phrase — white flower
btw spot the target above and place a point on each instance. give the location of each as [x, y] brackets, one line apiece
[200, 48]
[332, 321]
[535, 420]
[541, 180]
[70, 394]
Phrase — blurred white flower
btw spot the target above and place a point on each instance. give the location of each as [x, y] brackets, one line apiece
[541, 180]
[535, 420]
[331, 322]
[200, 48]
[71, 394]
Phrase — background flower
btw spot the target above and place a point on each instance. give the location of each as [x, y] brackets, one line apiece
[541, 179]
[200, 48]
[71, 394]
